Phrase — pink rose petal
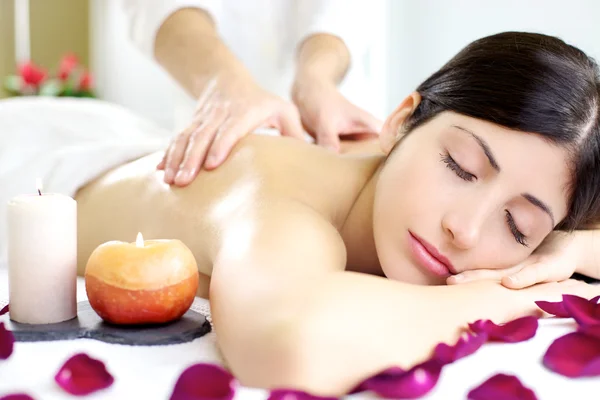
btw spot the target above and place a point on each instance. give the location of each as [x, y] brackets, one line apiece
[289, 394]
[502, 387]
[465, 346]
[517, 330]
[7, 342]
[400, 384]
[81, 375]
[574, 355]
[4, 310]
[593, 330]
[557, 308]
[585, 312]
[17, 396]
[204, 382]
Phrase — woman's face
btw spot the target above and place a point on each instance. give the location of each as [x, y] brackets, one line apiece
[460, 194]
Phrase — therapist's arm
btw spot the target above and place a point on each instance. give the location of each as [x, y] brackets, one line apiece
[324, 57]
[188, 46]
[230, 103]
[321, 64]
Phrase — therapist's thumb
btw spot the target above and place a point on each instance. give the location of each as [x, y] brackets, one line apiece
[290, 125]
[327, 137]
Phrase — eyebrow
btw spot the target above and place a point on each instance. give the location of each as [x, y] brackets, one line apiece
[490, 156]
[540, 204]
[484, 146]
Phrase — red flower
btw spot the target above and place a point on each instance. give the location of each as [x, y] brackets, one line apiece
[81, 375]
[32, 74]
[4, 310]
[68, 63]
[86, 82]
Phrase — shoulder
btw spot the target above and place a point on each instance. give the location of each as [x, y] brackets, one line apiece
[279, 238]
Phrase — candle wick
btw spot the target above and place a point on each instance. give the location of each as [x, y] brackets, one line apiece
[39, 192]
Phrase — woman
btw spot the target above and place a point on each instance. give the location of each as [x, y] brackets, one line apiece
[487, 158]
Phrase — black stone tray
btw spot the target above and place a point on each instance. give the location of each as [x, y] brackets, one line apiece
[89, 325]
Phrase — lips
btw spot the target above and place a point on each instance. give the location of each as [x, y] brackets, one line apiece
[434, 253]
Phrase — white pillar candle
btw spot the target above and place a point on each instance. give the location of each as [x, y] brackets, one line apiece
[42, 258]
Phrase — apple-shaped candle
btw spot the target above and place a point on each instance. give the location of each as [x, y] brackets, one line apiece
[146, 282]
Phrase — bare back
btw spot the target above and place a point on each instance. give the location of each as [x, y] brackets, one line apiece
[261, 170]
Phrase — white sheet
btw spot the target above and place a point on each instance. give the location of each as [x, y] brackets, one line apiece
[150, 372]
[66, 142]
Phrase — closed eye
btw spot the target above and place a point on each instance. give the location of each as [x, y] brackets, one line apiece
[519, 237]
[453, 165]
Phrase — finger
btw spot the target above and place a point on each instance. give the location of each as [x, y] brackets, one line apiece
[290, 125]
[528, 276]
[327, 137]
[482, 274]
[474, 275]
[198, 145]
[227, 136]
[175, 154]
[162, 163]
[367, 122]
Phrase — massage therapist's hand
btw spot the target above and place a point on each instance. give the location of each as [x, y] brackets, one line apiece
[555, 260]
[227, 110]
[328, 116]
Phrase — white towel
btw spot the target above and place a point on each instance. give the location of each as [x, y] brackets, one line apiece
[66, 142]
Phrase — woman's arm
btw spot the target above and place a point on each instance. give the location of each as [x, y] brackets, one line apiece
[286, 314]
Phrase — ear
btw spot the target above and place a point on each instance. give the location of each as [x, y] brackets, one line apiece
[392, 128]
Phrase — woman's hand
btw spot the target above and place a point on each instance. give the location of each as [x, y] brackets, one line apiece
[327, 115]
[555, 260]
[228, 109]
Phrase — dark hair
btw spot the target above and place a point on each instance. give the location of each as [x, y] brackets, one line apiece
[531, 83]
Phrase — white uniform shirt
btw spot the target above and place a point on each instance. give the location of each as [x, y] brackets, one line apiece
[264, 34]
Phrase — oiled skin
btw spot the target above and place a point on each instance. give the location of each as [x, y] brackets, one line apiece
[133, 198]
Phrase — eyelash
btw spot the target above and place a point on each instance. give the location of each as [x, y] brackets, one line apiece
[519, 237]
[464, 175]
[453, 165]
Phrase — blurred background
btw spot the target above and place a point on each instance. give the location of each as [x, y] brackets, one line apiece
[408, 41]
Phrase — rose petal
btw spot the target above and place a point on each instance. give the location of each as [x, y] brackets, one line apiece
[289, 394]
[17, 396]
[502, 387]
[554, 308]
[400, 384]
[592, 330]
[4, 310]
[204, 382]
[573, 355]
[465, 346]
[517, 330]
[585, 312]
[81, 375]
[7, 342]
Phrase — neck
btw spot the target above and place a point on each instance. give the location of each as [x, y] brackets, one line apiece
[357, 230]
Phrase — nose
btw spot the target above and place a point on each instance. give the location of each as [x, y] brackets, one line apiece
[463, 224]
